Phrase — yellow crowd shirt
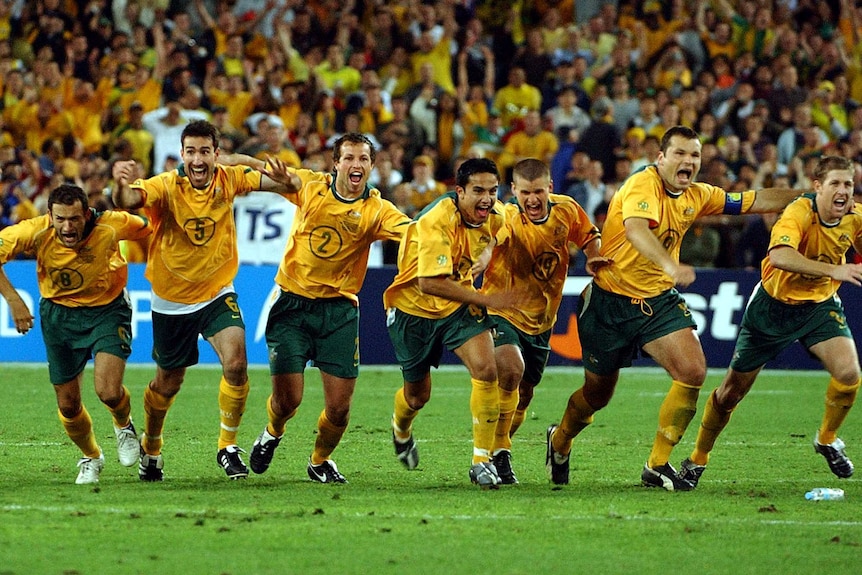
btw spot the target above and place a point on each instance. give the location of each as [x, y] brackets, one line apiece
[193, 253]
[800, 228]
[93, 273]
[534, 259]
[326, 255]
[643, 195]
[439, 243]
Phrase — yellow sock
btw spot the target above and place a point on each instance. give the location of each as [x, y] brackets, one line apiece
[502, 434]
[711, 425]
[276, 422]
[231, 404]
[79, 428]
[156, 408]
[402, 416]
[328, 437]
[676, 412]
[485, 407]
[578, 415]
[121, 412]
[517, 419]
[839, 399]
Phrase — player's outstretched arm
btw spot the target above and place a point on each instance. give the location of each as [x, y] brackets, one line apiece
[789, 259]
[773, 199]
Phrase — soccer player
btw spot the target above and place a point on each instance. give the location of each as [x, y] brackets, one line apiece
[432, 303]
[191, 264]
[632, 304]
[797, 299]
[84, 312]
[316, 314]
[534, 257]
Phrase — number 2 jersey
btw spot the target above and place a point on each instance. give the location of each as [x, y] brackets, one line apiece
[193, 254]
[326, 255]
[92, 273]
[534, 259]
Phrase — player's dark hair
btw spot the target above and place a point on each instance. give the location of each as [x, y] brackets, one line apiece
[475, 166]
[353, 138]
[681, 131]
[200, 129]
[531, 169]
[68, 194]
[829, 163]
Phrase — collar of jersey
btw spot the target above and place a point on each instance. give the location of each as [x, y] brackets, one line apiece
[364, 195]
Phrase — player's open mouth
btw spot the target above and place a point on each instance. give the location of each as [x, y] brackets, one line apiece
[69, 238]
[355, 177]
[482, 212]
[533, 210]
[684, 174]
[198, 172]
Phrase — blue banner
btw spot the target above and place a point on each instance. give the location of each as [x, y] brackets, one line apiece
[717, 299]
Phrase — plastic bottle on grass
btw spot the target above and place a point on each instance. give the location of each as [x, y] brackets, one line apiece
[825, 494]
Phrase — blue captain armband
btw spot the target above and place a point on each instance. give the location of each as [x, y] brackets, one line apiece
[733, 203]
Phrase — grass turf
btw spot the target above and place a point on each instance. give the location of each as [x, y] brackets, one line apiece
[747, 516]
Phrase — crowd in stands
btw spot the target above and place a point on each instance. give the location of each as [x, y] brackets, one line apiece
[769, 86]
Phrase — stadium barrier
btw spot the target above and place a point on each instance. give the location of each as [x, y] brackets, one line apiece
[716, 299]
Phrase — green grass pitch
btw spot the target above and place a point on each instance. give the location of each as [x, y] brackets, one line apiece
[748, 515]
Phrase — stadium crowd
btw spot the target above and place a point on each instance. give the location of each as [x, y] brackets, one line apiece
[770, 86]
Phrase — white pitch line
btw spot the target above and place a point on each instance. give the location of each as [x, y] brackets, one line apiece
[583, 518]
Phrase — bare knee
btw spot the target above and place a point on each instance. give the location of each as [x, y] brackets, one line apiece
[235, 371]
[111, 397]
[692, 373]
[417, 396]
[69, 410]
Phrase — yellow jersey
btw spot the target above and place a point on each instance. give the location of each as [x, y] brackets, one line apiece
[326, 255]
[439, 243]
[535, 259]
[643, 195]
[193, 252]
[800, 228]
[93, 273]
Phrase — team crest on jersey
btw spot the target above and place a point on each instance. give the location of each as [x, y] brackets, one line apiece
[441, 260]
[784, 238]
[643, 206]
[85, 254]
[351, 222]
[219, 198]
[560, 230]
[688, 211]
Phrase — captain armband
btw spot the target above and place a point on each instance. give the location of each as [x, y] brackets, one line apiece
[733, 203]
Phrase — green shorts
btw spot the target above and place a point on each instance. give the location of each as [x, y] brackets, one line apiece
[769, 326]
[534, 348]
[613, 328]
[175, 336]
[419, 341]
[324, 331]
[73, 335]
